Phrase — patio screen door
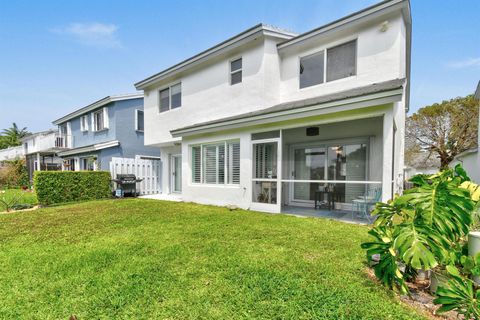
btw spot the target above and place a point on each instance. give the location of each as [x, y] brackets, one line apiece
[266, 164]
[328, 162]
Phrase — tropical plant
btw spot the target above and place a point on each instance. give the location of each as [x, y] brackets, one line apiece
[12, 136]
[422, 228]
[458, 294]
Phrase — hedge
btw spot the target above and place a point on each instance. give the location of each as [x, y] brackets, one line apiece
[67, 186]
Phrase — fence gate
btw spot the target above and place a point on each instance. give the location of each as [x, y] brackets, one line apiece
[147, 169]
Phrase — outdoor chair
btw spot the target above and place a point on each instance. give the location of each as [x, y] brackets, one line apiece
[362, 204]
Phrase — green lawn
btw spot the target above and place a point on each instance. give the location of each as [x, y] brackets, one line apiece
[24, 197]
[147, 259]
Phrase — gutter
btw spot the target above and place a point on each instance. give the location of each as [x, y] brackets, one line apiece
[95, 147]
[387, 96]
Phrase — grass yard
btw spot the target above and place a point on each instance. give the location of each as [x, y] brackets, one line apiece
[24, 197]
[147, 259]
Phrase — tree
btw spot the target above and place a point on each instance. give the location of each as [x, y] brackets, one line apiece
[12, 136]
[444, 129]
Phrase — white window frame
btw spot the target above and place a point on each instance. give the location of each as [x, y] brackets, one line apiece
[136, 120]
[226, 177]
[84, 123]
[169, 87]
[235, 71]
[325, 50]
[96, 127]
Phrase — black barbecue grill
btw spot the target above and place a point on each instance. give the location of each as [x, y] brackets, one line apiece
[127, 183]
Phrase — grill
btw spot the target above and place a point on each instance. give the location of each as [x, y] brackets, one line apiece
[126, 185]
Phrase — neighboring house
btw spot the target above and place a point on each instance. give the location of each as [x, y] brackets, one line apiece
[12, 153]
[421, 163]
[268, 118]
[110, 127]
[470, 159]
[41, 150]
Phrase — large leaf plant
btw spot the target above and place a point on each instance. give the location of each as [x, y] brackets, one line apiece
[422, 228]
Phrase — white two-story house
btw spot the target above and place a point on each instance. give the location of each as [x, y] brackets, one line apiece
[269, 119]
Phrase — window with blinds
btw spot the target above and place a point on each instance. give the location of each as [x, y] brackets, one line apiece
[216, 163]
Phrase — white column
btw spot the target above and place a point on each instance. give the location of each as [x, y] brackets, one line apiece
[39, 167]
[387, 155]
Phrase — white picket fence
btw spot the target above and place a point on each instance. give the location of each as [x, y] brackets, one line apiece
[146, 169]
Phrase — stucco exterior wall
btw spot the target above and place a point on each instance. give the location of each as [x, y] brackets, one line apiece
[471, 163]
[271, 76]
[240, 195]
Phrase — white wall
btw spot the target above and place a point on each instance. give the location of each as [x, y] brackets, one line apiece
[471, 163]
[271, 77]
[241, 195]
[207, 93]
[380, 57]
[12, 153]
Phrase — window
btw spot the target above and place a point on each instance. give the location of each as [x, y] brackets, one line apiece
[139, 120]
[84, 123]
[89, 163]
[98, 123]
[341, 61]
[171, 97]
[235, 71]
[216, 163]
[311, 70]
[328, 65]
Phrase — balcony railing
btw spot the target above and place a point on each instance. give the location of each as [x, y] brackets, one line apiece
[48, 142]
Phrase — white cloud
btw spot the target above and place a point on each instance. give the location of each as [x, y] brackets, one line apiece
[467, 63]
[92, 34]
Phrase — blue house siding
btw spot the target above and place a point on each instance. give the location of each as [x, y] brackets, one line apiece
[131, 141]
[86, 138]
[121, 127]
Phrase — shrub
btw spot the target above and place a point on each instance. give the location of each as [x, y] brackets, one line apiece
[67, 186]
[426, 228]
[13, 174]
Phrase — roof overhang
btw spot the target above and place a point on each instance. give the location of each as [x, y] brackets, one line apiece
[225, 46]
[97, 104]
[91, 148]
[477, 92]
[368, 100]
[377, 10]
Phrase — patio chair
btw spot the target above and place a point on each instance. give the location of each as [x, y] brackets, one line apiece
[362, 204]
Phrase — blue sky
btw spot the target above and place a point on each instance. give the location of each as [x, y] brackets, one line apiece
[57, 56]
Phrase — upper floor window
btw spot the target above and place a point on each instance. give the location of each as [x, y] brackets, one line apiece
[311, 69]
[341, 61]
[98, 121]
[171, 97]
[328, 65]
[235, 71]
[139, 120]
[84, 123]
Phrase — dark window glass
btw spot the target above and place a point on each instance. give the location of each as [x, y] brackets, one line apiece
[236, 71]
[176, 92]
[140, 121]
[165, 100]
[236, 77]
[341, 61]
[311, 70]
[236, 65]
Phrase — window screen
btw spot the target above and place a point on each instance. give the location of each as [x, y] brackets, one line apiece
[176, 92]
[236, 71]
[311, 70]
[341, 61]
[140, 120]
[165, 100]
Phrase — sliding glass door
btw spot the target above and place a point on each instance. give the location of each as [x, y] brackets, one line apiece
[328, 164]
